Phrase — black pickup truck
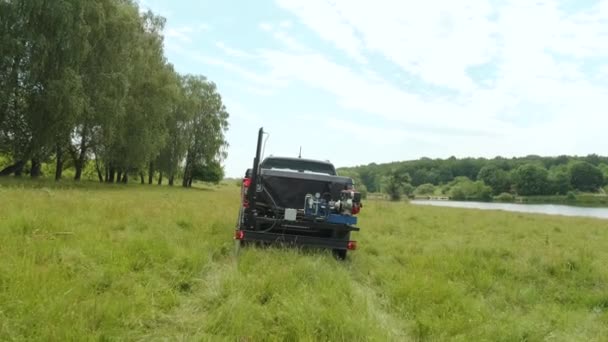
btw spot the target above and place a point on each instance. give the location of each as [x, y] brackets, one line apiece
[299, 202]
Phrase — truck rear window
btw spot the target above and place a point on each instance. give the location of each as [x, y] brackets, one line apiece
[299, 165]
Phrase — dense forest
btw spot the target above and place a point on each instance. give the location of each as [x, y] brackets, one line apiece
[85, 88]
[482, 179]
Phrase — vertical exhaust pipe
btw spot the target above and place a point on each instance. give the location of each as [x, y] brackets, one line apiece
[251, 211]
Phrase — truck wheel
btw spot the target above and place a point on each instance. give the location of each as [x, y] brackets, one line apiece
[339, 254]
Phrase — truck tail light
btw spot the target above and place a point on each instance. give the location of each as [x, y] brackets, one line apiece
[356, 208]
[352, 245]
[244, 189]
[239, 235]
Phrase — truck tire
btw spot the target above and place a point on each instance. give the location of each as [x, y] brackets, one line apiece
[339, 254]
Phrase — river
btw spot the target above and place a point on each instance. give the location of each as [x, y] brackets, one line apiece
[549, 209]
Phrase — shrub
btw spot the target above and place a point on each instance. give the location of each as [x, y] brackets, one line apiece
[464, 189]
[496, 178]
[457, 193]
[586, 177]
[408, 189]
[531, 179]
[505, 197]
[425, 189]
[394, 183]
[571, 196]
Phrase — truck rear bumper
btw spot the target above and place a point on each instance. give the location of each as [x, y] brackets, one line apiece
[295, 240]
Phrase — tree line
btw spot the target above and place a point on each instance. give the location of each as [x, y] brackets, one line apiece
[85, 85]
[481, 178]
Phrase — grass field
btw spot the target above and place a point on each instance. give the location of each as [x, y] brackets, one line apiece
[135, 262]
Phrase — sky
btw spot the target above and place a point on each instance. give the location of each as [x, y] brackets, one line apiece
[358, 81]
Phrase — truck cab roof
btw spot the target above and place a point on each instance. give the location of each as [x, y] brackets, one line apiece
[298, 165]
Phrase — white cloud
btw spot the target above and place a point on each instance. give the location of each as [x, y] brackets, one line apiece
[243, 72]
[289, 41]
[182, 34]
[254, 78]
[266, 26]
[378, 136]
[356, 91]
[286, 24]
[232, 52]
[325, 19]
[185, 34]
[438, 40]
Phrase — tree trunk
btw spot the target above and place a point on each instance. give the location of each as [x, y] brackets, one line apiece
[59, 165]
[112, 174]
[125, 177]
[16, 168]
[160, 178]
[141, 177]
[35, 171]
[118, 176]
[79, 164]
[187, 172]
[99, 174]
[19, 170]
[171, 180]
[150, 173]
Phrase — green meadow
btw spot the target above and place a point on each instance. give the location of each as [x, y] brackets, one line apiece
[134, 262]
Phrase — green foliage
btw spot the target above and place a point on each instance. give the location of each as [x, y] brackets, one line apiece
[604, 168]
[209, 119]
[211, 172]
[586, 177]
[496, 178]
[462, 189]
[89, 79]
[393, 184]
[559, 180]
[408, 190]
[505, 197]
[571, 196]
[495, 172]
[4, 160]
[530, 179]
[425, 189]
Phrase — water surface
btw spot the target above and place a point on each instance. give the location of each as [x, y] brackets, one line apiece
[549, 209]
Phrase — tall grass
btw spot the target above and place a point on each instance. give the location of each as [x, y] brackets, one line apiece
[149, 262]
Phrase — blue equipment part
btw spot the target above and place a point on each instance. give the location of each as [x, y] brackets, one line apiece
[316, 207]
[342, 219]
[319, 208]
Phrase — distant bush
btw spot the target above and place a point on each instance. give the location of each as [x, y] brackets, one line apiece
[495, 177]
[571, 196]
[530, 180]
[457, 193]
[425, 189]
[586, 177]
[394, 183]
[505, 197]
[408, 189]
[465, 189]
